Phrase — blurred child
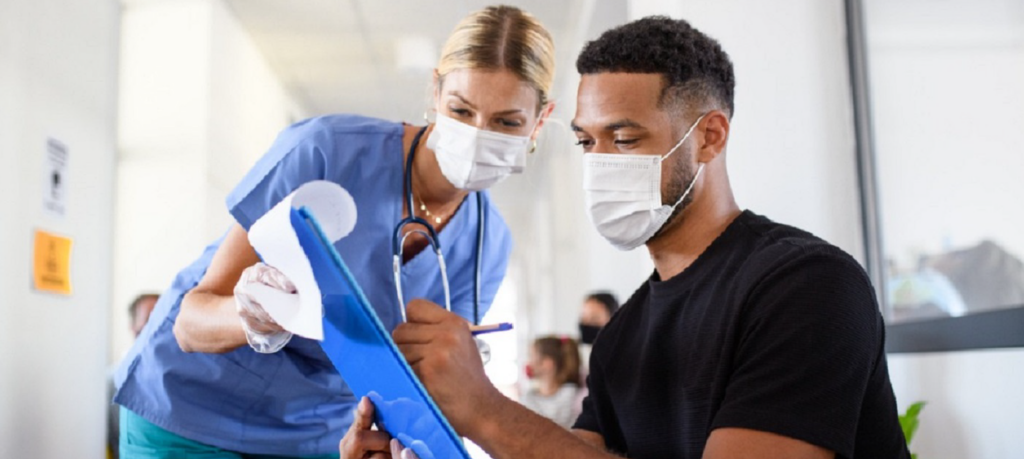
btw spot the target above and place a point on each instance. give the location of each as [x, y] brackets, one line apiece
[554, 370]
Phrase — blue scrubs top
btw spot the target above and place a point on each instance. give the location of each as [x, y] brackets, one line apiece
[293, 402]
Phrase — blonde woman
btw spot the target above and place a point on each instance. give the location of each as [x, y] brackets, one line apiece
[212, 376]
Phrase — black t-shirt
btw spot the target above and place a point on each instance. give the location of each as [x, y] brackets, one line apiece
[770, 329]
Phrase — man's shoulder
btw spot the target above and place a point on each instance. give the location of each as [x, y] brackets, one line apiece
[792, 271]
[774, 246]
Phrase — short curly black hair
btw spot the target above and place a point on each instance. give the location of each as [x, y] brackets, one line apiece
[695, 68]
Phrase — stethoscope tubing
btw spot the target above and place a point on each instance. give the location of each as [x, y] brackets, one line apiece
[430, 233]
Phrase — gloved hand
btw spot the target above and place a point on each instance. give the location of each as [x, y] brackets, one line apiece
[263, 334]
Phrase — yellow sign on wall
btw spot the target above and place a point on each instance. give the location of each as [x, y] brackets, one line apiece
[52, 263]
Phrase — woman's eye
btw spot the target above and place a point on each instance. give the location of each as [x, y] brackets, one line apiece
[510, 123]
[459, 111]
[584, 142]
[625, 141]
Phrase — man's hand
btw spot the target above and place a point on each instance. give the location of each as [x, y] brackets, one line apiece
[361, 442]
[442, 352]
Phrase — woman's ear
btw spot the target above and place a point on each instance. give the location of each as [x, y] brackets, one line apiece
[436, 90]
[544, 114]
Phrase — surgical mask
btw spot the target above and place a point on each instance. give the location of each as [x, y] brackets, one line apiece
[475, 159]
[623, 194]
[588, 333]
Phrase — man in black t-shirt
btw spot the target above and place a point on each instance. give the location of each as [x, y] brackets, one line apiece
[751, 339]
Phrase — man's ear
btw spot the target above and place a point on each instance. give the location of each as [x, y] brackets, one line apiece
[713, 135]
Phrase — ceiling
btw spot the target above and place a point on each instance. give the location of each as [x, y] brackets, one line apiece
[342, 55]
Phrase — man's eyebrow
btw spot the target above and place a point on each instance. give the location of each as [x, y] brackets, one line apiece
[614, 126]
[622, 124]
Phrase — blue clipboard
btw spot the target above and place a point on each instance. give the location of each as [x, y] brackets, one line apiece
[362, 351]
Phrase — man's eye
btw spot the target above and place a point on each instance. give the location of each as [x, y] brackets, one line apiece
[584, 142]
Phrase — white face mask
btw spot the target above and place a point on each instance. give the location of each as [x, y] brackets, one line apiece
[623, 194]
[475, 159]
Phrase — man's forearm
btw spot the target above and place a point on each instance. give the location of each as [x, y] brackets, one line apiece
[511, 431]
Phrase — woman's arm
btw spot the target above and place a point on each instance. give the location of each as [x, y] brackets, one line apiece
[209, 321]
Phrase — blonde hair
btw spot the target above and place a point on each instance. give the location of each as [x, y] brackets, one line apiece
[502, 38]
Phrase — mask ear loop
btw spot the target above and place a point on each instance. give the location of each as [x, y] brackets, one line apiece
[700, 168]
[688, 132]
[692, 183]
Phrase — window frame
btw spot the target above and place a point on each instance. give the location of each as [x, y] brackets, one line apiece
[1002, 328]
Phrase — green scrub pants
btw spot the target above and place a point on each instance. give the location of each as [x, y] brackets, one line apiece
[141, 439]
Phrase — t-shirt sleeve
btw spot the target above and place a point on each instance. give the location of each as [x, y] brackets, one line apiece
[596, 395]
[812, 337]
[299, 155]
[598, 414]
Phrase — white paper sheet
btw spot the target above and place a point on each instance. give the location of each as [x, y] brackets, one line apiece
[274, 240]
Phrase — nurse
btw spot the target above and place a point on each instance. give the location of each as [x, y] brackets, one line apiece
[211, 377]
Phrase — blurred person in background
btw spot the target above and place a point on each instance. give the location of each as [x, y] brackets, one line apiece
[554, 372]
[138, 313]
[597, 310]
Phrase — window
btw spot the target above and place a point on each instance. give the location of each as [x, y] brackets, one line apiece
[945, 118]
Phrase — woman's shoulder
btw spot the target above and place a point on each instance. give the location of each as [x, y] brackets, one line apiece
[329, 127]
[495, 224]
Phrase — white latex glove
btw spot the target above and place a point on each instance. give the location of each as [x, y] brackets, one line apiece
[263, 334]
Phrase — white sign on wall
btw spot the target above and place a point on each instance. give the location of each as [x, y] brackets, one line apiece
[55, 179]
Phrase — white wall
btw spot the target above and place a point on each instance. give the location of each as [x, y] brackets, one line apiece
[58, 73]
[975, 403]
[199, 106]
[791, 149]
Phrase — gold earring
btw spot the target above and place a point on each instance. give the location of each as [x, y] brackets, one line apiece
[533, 147]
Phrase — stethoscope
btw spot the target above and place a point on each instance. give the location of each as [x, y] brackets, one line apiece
[398, 241]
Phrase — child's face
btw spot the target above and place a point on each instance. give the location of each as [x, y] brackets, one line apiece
[539, 366]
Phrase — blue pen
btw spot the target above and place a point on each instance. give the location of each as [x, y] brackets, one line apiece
[482, 329]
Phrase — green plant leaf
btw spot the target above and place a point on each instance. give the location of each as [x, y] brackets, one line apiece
[909, 422]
